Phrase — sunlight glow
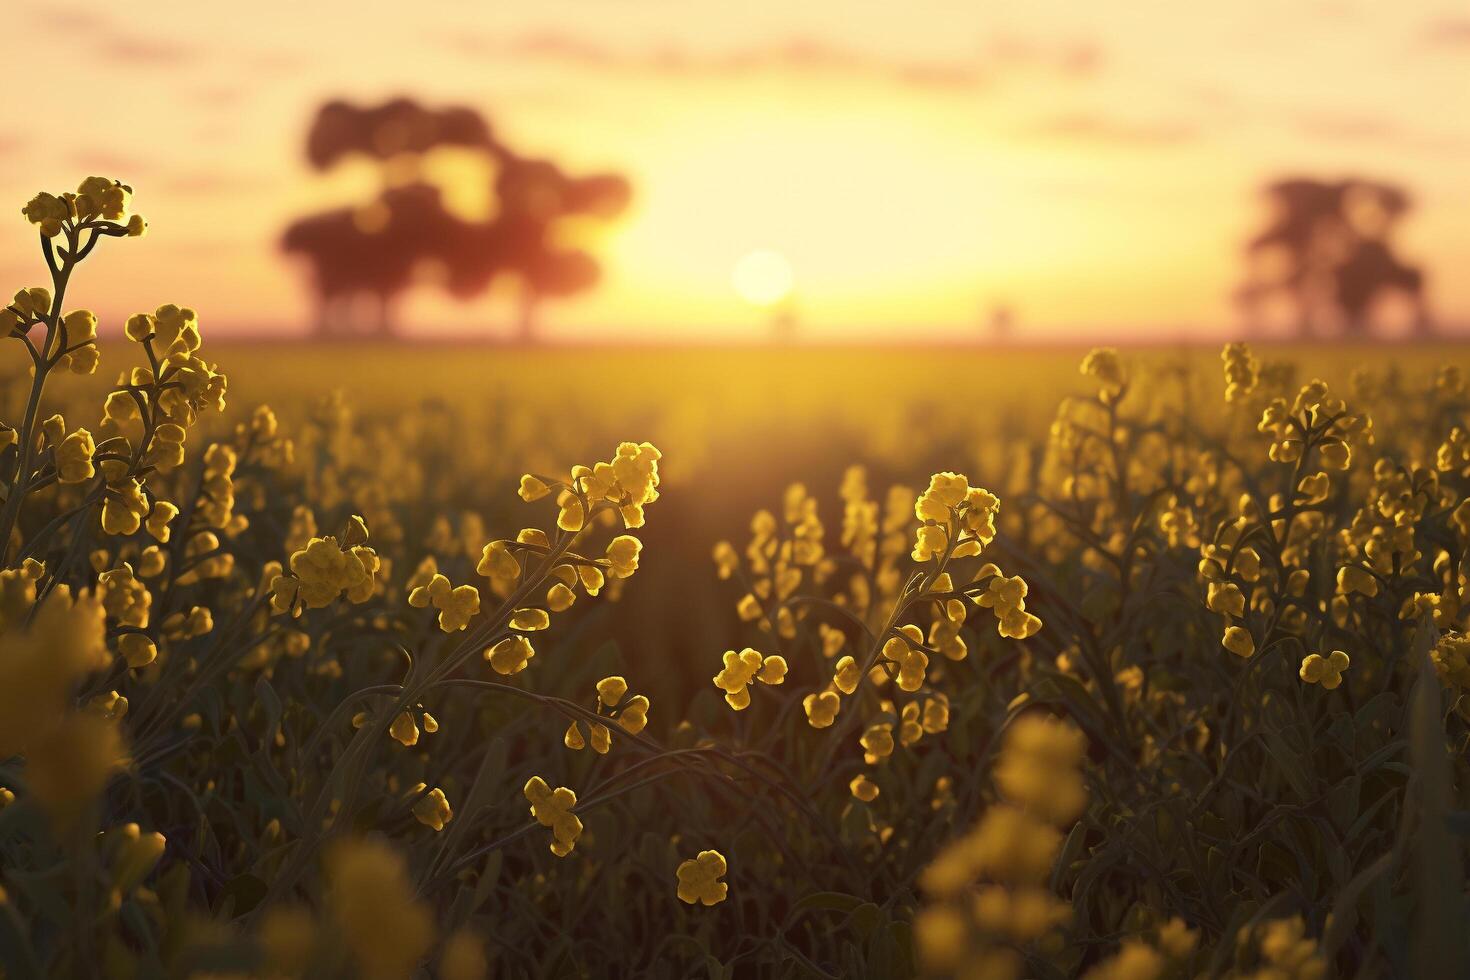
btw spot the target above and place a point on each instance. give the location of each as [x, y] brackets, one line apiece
[763, 278]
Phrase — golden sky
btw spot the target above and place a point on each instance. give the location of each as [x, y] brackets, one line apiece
[1091, 165]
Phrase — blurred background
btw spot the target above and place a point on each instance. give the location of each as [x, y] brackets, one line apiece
[700, 172]
[774, 239]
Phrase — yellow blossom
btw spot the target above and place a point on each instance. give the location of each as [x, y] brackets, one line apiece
[699, 879]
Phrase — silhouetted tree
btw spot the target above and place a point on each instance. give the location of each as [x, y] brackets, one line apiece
[375, 251]
[398, 126]
[533, 196]
[1327, 251]
[371, 253]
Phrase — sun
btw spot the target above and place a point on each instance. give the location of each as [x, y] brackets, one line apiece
[763, 277]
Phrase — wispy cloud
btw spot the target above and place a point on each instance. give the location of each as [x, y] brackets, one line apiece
[117, 165]
[1372, 129]
[1075, 58]
[135, 51]
[1449, 32]
[1097, 128]
[800, 54]
[114, 43]
[215, 183]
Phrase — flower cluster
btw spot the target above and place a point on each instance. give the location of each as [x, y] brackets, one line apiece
[325, 570]
[553, 808]
[988, 893]
[631, 713]
[742, 669]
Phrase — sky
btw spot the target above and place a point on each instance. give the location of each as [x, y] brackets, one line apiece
[1091, 167]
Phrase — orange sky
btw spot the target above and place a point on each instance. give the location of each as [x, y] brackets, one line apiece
[1091, 165]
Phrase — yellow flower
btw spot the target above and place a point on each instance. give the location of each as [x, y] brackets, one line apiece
[1104, 364]
[935, 718]
[573, 739]
[33, 303]
[158, 518]
[463, 957]
[1355, 578]
[1327, 671]
[863, 788]
[1039, 767]
[821, 709]
[946, 491]
[48, 212]
[848, 675]
[532, 488]
[1242, 371]
[1313, 489]
[124, 509]
[102, 197]
[1336, 454]
[560, 597]
[497, 562]
[622, 555]
[1004, 594]
[740, 669]
[930, 541]
[909, 729]
[911, 662]
[572, 515]
[1226, 598]
[74, 458]
[699, 879]
[553, 808]
[1238, 641]
[1286, 947]
[137, 649]
[610, 690]
[773, 670]
[634, 716]
[456, 605]
[833, 640]
[1134, 960]
[324, 571]
[877, 743]
[601, 739]
[1177, 939]
[404, 729]
[510, 655]
[529, 620]
[372, 898]
[432, 810]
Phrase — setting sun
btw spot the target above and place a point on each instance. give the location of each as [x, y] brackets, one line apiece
[763, 278]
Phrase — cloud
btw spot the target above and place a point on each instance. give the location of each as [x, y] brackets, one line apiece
[1449, 32]
[1095, 128]
[111, 42]
[118, 166]
[139, 52]
[1350, 128]
[213, 184]
[1363, 128]
[1072, 58]
[800, 54]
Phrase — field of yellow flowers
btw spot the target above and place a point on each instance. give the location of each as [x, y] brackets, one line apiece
[608, 662]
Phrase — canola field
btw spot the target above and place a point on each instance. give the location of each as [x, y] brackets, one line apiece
[600, 661]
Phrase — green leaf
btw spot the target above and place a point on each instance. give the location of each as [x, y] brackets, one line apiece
[242, 894]
[271, 704]
[1342, 802]
[829, 902]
